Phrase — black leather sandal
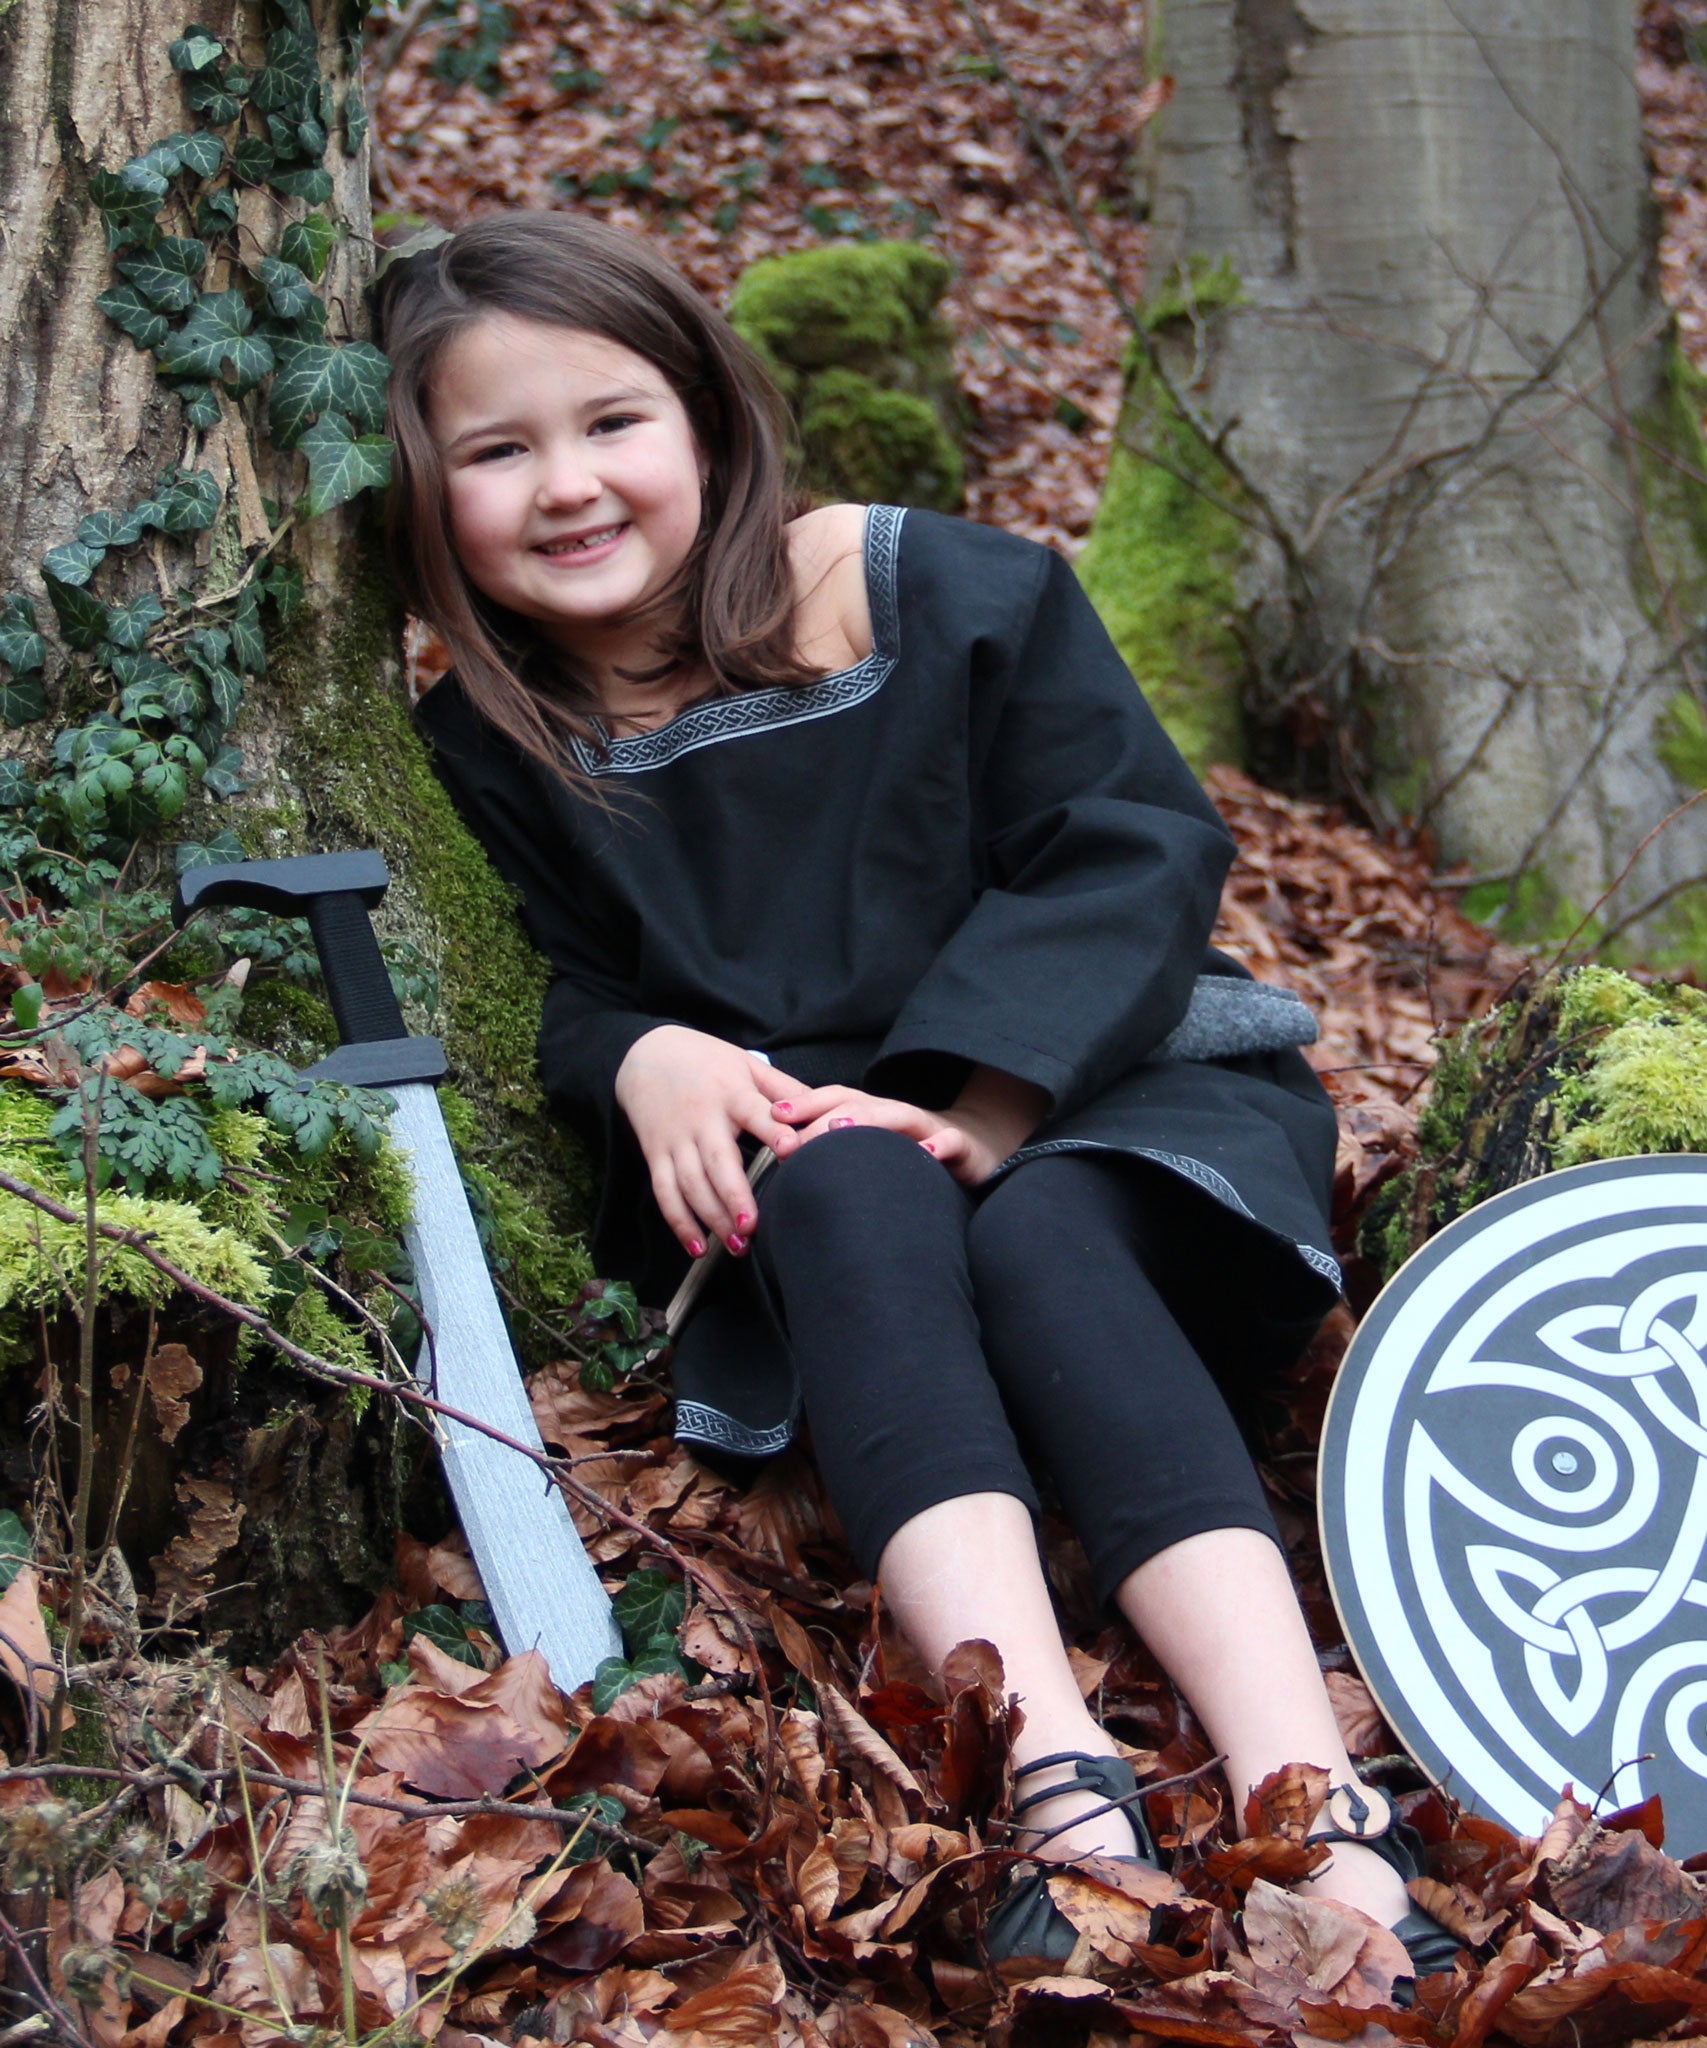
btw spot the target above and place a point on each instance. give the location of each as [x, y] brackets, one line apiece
[1025, 1921]
[1430, 1946]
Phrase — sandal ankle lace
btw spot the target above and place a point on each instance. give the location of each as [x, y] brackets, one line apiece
[1025, 1921]
[1429, 1945]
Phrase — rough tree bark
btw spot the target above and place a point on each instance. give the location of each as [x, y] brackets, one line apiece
[1401, 260]
[303, 1500]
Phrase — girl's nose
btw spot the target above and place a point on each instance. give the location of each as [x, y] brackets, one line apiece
[567, 479]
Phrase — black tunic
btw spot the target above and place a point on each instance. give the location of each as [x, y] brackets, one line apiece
[976, 845]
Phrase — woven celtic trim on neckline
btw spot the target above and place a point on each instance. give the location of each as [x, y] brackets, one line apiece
[731, 718]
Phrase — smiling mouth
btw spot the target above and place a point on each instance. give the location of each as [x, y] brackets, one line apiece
[581, 543]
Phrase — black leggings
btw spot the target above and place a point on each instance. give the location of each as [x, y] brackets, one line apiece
[942, 1336]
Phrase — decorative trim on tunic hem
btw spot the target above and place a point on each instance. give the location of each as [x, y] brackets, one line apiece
[1195, 1170]
[697, 1423]
[752, 711]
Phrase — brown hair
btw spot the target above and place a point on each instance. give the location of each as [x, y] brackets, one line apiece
[730, 606]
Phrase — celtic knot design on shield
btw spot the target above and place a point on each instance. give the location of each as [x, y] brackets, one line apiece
[1515, 1498]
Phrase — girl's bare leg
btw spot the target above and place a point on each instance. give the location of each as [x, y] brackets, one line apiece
[1219, 1613]
[968, 1569]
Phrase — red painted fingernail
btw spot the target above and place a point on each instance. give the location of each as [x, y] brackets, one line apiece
[929, 1145]
[782, 1108]
[695, 1248]
[743, 1222]
[841, 1123]
[737, 1245]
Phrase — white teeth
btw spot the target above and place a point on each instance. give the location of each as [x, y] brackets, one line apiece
[587, 540]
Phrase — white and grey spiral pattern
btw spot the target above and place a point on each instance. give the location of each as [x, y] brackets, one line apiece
[1514, 1496]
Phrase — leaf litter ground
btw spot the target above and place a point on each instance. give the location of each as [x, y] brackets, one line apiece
[769, 1824]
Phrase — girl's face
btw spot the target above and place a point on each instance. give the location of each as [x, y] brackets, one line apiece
[572, 478]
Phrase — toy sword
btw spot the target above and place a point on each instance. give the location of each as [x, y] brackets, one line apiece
[540, 1583]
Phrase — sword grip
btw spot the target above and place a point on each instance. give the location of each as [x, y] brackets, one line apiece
[357, 985]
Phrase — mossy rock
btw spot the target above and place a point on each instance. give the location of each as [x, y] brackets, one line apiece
[1583, 1066]
[850, 333]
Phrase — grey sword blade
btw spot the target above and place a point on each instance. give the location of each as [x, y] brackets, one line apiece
[540, 1583]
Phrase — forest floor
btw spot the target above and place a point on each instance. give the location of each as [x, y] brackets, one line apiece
[771, 1827]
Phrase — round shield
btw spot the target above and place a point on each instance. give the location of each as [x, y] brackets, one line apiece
[1513, 1496]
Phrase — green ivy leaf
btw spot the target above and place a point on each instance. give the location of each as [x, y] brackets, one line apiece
[17, 786]
[248, 642]
[201, 405]
[308, 243]
[288, 291]
[216, 211]
[310, 140]
[72, 562]
[128, 309]
[225, 688]
[650, 1609]
[446, 1630]
[186, 501]
[22, 700]
[209, 96]
[355, 119]
[340, 467]
[129, 625]
[167, 274]
[253, 159]
[610, 1681]
[103, 530]
[290, 82]
[310, 183]
[21, 646]
[359, 372]
[197, 49]
[224, 774]
[127, 215]
[181, 697]
[201, 153]
[150, 177]
[283, 136]
[302, 386]
[82, 617]
[215, 341]
[297, 16]
[283, 583]
[208, 647]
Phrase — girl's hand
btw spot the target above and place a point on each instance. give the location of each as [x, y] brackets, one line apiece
[687, 1096]
[993, 1116]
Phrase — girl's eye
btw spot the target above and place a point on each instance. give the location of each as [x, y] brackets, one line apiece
[498, 448]
[614, 422]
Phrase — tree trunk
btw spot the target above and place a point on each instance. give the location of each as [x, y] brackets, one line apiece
[272, 1484]
[1402, 261]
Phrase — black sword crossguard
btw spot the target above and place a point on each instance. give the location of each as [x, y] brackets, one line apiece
[335, 892]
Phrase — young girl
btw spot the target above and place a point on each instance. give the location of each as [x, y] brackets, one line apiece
[846, 834]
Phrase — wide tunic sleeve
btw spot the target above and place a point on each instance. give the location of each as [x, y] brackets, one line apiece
[1102, 866]
[591, 1015]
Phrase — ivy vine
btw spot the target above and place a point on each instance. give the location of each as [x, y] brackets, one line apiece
[149, 684]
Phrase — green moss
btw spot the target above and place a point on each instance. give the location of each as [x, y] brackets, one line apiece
[538, 1263]
[1531, 911]
[294, 1020]
[851, 335]
[1450, 1087]
[879, 446]
[846, 304]
[1671, 452]
[1160, 567]
[1643, 1085]
[1193, 291]
[367, 780]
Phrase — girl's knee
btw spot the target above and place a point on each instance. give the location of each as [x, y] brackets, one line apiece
[1044, 1218]
[862, 1172]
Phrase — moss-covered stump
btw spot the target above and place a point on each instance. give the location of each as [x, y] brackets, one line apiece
[351, 770]
[851, 335]
[1590, 1065]
[1162, 560]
